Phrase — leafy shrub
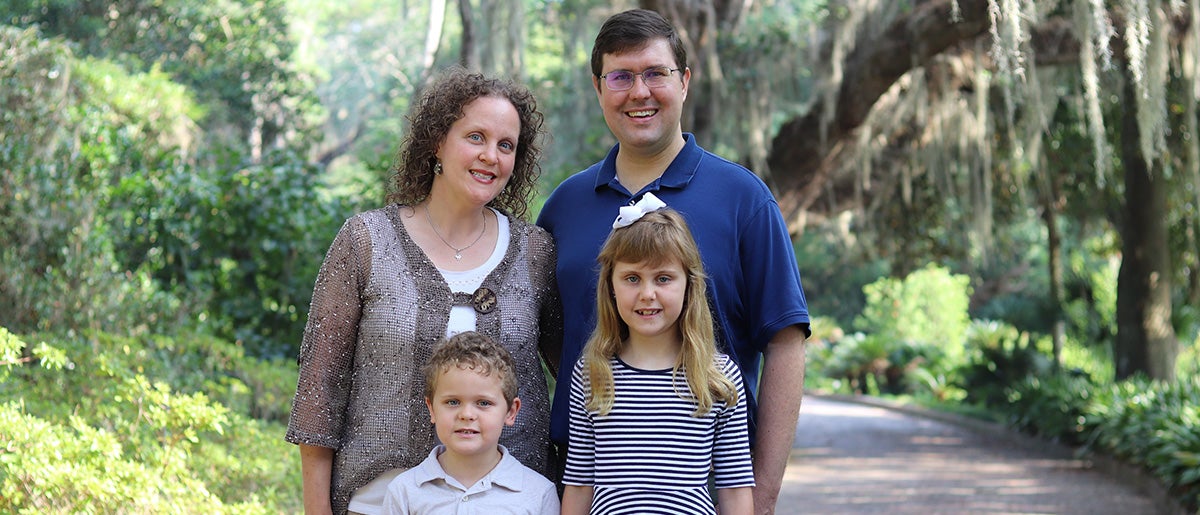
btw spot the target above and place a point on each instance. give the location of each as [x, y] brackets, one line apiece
[1148, 424]
[905, 358]
[870, 364]
[132, 422]
[852, 358]
[1052, 407]
[928, 306]
[1187, 325]
[67, 138]
[938, 386]
[14, 351]
[1093, 361]
[998, 356]
[1091, 292]
[74, 467]
[1154, 425]
[118, 213]
[912, 324]
[197, 362]
[246, 238]
[818, 348]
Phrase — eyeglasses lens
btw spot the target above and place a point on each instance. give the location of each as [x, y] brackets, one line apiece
[623, 80]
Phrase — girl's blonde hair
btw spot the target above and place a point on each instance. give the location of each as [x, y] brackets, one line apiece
[656, 238]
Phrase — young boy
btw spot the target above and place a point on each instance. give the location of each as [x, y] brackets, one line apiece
[471, 393]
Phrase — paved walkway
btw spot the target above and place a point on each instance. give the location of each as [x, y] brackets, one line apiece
[851, 458]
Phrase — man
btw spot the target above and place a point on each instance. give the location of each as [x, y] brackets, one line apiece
[640, 73]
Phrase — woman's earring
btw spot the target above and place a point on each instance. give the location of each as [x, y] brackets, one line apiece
[437, 168]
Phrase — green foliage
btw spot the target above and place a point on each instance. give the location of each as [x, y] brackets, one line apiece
[1090, 360]
[234, 54]
[852, 359]
[118, 212]
[247, 239]
[1152, 425]
[134, 422]
[756, 104]
[869, 364]
[262, 259]
[929, 306]
[938, 386]
[912, 340]
[1050, 406]
[1015, 285]
[70, 132]
[14, 351]
[834, 272]
[999, 355]
[127, 222]
[1091, 290]
[558, 72]
[75, 468]
[1188, 364]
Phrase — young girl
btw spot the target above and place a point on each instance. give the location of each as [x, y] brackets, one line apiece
[654, 407]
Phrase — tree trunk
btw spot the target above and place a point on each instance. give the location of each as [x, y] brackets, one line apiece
[1052, 202]
[433, 41]
[468, 57]
[1145, 338]
[1192, 160]
[698, 23]
[490, 38]
[514, 60]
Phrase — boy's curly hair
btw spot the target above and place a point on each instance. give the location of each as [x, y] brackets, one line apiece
[473, 351]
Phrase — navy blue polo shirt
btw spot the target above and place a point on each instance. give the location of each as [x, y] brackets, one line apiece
[753, 281]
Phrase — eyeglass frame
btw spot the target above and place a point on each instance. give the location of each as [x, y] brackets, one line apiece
[635, 75]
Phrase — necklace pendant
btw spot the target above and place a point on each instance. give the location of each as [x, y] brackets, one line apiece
[457, 251]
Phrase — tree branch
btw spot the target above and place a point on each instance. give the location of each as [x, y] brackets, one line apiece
[799, 163]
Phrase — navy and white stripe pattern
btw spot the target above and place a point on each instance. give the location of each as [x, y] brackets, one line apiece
[649, 454]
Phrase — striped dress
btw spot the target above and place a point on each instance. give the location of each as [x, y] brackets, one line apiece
[649, 454]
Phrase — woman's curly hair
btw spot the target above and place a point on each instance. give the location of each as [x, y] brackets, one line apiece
[430, 119]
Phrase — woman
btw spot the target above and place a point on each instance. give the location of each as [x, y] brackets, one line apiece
[451, 252]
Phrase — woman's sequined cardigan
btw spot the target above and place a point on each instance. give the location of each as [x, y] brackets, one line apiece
[378, 307]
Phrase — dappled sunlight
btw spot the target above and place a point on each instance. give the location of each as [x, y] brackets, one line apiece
[936, 440]
[842, 410]
[851, 458]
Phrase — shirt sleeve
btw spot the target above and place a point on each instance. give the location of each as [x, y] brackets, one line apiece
[581, 443]
[327, 350]
[731, 450]
[395, 502]
[550, 502]
[769, 262]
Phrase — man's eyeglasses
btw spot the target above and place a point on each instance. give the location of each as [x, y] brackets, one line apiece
[622, 80]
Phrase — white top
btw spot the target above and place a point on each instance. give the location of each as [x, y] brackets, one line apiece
[510, 488]
[462, 318]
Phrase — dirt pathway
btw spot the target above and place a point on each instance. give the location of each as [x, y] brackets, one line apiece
[853, 458]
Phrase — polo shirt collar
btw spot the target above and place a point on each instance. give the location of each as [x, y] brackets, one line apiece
[502, 475]
[677, 175]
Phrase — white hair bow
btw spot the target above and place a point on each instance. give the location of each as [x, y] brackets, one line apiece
[630, 214]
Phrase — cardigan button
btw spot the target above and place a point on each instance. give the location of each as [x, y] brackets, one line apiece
[484, 300]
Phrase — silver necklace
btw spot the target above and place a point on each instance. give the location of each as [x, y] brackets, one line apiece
[457, 251]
